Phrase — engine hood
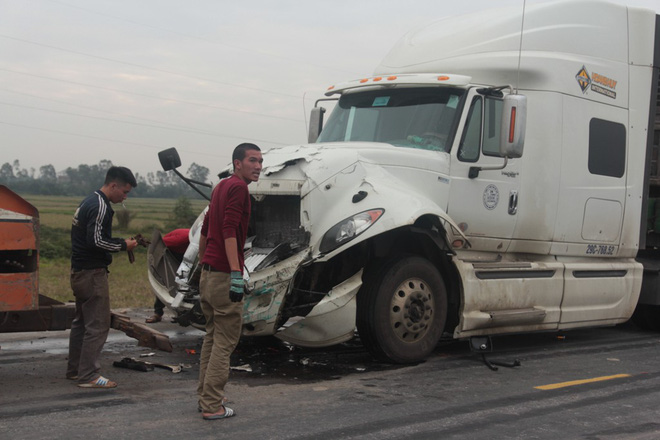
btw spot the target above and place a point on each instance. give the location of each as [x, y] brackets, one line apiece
[300, 169]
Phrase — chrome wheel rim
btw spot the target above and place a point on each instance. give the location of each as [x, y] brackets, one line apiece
[411, 310]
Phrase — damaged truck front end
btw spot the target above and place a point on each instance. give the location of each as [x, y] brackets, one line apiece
[348, 232]
[295, 292]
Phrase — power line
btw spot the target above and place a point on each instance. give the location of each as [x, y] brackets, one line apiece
[91, 108]
[167, 125]
[110, 89]
[89, 136]
[189, 130]
[183, 34]
[142, 66]
[158, 147]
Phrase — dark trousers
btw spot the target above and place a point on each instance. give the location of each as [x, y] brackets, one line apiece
[159, 307]
[91, 325]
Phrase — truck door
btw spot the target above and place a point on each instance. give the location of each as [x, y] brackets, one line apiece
[590, 214]
[485, 206]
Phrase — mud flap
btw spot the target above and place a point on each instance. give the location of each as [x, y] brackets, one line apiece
[146, 336]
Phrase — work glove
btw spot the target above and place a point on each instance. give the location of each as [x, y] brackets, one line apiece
[237, 286]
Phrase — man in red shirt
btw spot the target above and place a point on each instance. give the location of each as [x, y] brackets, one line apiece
[221, 285]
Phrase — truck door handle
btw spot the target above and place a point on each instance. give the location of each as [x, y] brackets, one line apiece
[513, 202]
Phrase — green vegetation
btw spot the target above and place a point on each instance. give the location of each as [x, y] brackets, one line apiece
[182, 216]
[129, 285]
[84, 179]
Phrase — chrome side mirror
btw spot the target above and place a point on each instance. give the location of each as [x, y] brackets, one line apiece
[315, 124]
[514, 120]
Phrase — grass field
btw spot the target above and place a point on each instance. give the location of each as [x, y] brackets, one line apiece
[57, 211]
[129, 285]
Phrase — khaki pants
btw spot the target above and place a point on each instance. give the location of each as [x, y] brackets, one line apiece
[223, 330]
[91, 325]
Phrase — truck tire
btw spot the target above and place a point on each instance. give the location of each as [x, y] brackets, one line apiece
[402, 310]
[647, 317]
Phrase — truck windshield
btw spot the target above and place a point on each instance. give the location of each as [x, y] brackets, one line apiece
[407, 117]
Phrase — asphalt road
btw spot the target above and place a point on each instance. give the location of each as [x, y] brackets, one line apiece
[595, 384]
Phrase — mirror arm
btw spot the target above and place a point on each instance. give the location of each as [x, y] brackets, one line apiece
[474, 171]
[191, 183]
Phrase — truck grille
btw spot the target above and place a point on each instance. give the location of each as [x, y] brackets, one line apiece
[275, 226]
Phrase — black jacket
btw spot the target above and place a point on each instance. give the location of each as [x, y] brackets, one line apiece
[91, 234]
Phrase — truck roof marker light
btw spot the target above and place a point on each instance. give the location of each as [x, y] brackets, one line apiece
[443, 78]
[378, 78]
[364, 80]
[391, 78]
[331, 87]
[512, 127]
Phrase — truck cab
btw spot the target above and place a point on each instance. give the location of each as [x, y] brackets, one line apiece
[478, 183]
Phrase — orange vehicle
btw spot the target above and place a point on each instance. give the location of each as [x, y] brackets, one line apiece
[22, 308]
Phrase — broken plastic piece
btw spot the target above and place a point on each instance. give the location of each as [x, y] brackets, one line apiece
[245, 367]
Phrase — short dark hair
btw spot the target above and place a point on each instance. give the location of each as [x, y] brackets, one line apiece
[239, 151]
[120, 174]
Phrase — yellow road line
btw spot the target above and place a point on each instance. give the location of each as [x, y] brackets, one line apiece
[554, 386]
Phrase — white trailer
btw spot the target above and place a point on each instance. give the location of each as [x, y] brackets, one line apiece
[493, 176]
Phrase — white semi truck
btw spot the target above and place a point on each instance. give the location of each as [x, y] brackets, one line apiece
[496, 175]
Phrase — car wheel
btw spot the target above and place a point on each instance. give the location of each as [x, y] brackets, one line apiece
[402, 310]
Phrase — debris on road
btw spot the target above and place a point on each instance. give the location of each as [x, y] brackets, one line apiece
[244, 367]
[146, 336]
[134, 364]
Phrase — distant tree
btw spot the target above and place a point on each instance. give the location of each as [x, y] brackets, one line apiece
[84, 179]
[105, 165]
[6, 172]
[162, 178]
[21, 174]
[48, 174]
[198, 172]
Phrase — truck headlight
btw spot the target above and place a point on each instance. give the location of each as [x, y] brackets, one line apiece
[348, 229]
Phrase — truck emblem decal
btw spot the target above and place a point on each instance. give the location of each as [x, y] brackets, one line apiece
[603, 85]
[583, 79]
[491, 197]
[598, 83]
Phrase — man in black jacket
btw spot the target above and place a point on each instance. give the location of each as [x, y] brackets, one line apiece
[92, 244]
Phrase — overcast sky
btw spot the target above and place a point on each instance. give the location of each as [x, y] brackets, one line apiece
[87, 80]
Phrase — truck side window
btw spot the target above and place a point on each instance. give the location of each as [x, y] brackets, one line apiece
[607, 148]
[492, 121]
[468, 150]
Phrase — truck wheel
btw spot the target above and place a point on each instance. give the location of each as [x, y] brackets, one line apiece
[402, 310]
[647, 317]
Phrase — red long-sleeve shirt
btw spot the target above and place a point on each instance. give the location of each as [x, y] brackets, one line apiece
[228, 216]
